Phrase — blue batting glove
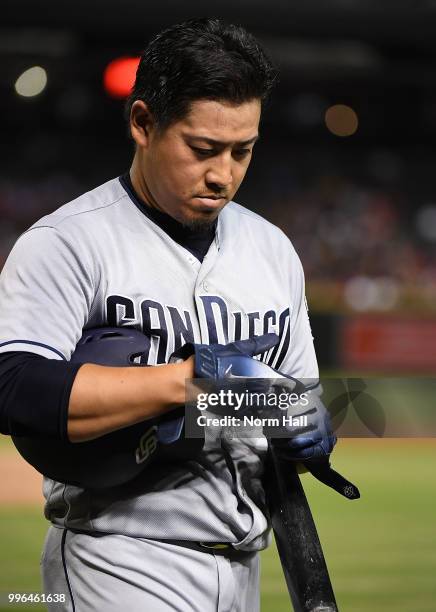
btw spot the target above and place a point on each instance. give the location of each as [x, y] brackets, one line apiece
[315, 440]
[219, 361]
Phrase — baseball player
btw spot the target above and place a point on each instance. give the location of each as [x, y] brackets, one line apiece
[163, 249]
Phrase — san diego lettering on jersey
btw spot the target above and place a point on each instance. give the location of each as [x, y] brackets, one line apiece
[171, 327]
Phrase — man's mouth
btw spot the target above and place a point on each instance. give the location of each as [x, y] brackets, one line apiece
[210, 200]
[210, 196]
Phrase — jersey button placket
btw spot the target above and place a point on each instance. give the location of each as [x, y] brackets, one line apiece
[202, 287]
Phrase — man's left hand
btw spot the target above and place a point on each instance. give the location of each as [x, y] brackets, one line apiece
[315, 440]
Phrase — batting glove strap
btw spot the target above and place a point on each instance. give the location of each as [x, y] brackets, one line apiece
[323, 472]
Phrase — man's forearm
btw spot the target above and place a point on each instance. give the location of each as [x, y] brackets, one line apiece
[104, 399]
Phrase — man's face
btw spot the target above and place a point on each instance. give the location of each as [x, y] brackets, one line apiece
[194, 167]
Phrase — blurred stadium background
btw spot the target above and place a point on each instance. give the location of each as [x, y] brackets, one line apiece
[345, 167]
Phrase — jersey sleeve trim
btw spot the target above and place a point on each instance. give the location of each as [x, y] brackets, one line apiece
[17, 345]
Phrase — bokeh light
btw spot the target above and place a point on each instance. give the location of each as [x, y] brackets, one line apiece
[31, 82]
[363, 293]
[119, 76]
[341, 120]
[426, 222]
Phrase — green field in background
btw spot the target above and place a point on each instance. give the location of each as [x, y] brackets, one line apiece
[381, 549]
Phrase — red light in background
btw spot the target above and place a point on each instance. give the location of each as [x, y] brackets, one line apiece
[119, 76]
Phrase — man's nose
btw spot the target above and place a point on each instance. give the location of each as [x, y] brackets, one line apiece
[220, 171]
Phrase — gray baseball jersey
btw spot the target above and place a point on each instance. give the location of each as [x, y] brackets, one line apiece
[99, 260]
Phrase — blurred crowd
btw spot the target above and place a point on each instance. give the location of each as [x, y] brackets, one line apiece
[373, 243]
[364, 227]
[24, 202]
[365, 244]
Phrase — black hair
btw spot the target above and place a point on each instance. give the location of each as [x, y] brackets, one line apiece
[200, 59]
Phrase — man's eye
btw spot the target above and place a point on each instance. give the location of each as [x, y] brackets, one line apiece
[202, 152]
[241, 152]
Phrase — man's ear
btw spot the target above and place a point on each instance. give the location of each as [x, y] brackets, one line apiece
[142, 123]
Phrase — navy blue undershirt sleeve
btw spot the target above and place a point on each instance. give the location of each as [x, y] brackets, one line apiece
[35, 394]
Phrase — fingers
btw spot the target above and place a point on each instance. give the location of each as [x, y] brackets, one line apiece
[311, 452]
[311, 447]
[300, 442]
[306, 453]
[257, 345]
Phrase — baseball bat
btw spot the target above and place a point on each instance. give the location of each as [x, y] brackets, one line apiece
[297, 540]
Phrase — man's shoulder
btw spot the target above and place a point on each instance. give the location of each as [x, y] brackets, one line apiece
[247, 219]
[96, 201]
[269, 241]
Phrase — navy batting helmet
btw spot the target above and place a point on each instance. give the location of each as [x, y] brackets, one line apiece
[118, 457]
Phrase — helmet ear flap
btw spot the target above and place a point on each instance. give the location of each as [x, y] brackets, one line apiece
[114, 346]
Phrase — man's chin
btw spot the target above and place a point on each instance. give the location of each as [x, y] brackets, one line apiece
[199, 223]
[198, 220]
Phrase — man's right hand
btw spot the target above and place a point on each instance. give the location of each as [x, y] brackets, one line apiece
[219, 361]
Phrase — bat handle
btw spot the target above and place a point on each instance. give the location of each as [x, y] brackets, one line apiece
[297, 540]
